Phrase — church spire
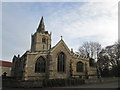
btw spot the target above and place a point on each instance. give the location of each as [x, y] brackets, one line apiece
[41, 27]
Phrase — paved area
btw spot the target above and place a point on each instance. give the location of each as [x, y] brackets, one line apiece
[100, 85]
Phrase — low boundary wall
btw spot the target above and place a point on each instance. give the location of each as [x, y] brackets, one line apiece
[42, 83]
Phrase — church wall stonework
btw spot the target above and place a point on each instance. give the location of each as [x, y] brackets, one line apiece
[30, 66]
[67, 62]
[75, 60]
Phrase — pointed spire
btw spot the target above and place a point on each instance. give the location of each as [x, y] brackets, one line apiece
[41, 27]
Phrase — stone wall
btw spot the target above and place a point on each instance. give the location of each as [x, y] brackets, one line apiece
[21, 84]
[5, 69]
[42, 83]
[61, 47]
[30, 66]
[75, 60]
[37, 44]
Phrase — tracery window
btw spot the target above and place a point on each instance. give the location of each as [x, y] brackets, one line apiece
[40, 65]
[61, 62]
[79, 67]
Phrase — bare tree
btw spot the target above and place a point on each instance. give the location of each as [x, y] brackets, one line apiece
[118, 50]
[109, 58]
[96, 48]
[84, 50]
[90, 49]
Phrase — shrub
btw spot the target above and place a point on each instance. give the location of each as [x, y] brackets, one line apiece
[62, 82]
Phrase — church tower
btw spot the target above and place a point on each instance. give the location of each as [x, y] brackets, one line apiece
[41, 39]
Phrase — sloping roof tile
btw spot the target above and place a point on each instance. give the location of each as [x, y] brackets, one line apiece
[5, 63]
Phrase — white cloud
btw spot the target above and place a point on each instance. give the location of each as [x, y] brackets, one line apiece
[58, 0]
[0, 29]
[90, 21]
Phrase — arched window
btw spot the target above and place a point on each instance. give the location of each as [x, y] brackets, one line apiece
[61, 62]
[40, 65]
[79, 67]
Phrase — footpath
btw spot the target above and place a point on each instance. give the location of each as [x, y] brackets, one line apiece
[102, 80]
[111, 83]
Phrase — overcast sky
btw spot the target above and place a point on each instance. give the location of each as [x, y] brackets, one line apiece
[77, 22]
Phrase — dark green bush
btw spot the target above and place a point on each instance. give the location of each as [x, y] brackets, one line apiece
[62, 82]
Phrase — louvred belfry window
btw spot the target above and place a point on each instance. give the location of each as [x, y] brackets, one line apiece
[43, 40]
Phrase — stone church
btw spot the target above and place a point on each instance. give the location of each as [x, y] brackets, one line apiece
[45, 62]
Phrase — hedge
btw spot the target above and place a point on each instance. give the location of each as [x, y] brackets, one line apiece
[62, 82]
[43, 83]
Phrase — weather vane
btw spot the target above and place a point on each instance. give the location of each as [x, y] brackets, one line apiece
[61, 37]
